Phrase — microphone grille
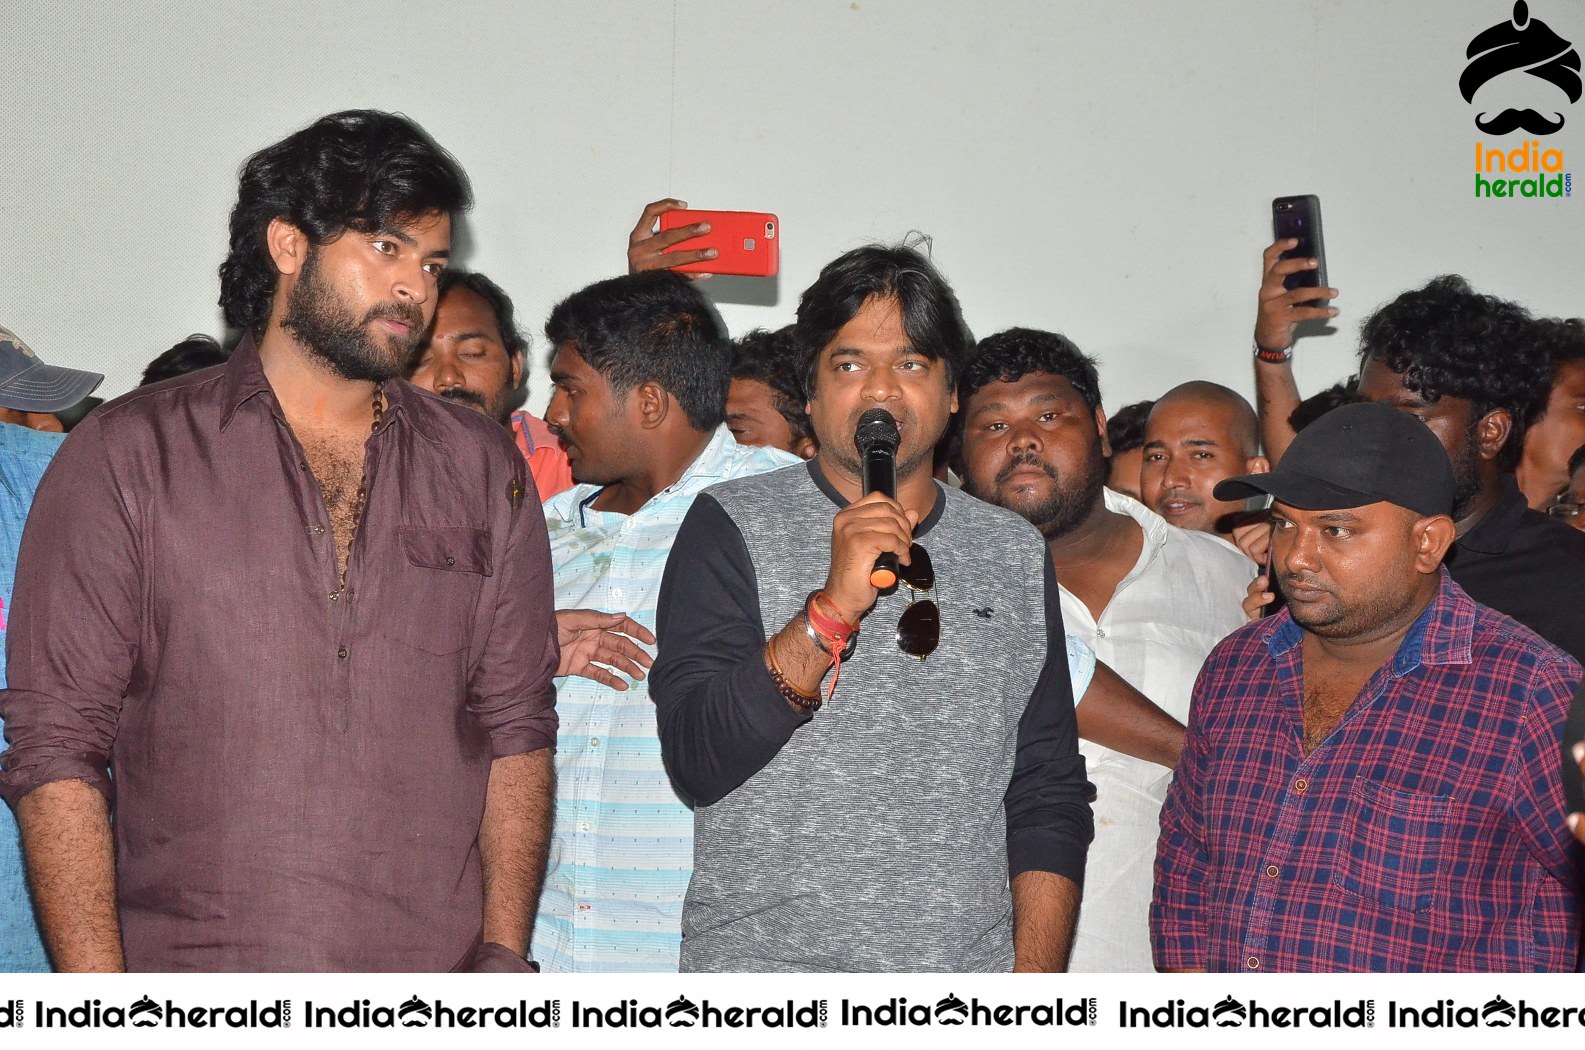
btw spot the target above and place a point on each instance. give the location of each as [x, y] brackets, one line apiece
[876, 430]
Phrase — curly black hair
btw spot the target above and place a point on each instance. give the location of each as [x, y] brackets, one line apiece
[650, 327]
[1017, 352]
[357, 170]
[772, 358]
[1446, 339]
[1564, 340]
[1125, 428]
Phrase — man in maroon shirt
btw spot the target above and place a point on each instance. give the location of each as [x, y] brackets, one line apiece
[301, 610]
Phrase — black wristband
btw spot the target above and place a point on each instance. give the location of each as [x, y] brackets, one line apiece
[1273, 357]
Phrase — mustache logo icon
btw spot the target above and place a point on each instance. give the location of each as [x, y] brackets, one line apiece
[1515, 119]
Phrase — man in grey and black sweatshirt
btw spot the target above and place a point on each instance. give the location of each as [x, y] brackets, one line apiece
[933, 814]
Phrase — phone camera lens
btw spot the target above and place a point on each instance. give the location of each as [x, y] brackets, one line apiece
[770, 230]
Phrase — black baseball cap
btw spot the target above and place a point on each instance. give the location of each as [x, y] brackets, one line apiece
[1354, 456]
[29, 385]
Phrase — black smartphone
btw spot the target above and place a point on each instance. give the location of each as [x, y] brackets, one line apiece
[1277, 600]
[1300, 217]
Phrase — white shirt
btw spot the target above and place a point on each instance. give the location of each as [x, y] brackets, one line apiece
[1183, 596]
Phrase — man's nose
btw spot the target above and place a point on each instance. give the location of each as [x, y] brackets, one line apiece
[556, 411]
[1024, 437]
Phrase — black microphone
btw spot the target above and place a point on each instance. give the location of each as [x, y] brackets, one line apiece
[876, 439]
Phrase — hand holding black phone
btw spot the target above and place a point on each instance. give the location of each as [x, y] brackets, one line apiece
[1299, 218]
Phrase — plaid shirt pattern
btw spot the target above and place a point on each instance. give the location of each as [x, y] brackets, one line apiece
[1426, 833]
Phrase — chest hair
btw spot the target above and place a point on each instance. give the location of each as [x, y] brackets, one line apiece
[337, 465]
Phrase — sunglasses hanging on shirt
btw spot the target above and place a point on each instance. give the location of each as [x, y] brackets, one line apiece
[919, 628]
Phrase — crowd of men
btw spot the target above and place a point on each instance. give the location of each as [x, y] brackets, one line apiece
[324, 654]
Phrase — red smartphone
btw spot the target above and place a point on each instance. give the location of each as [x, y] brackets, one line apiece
[746, 242]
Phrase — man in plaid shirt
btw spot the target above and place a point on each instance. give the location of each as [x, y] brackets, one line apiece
[1370, 777]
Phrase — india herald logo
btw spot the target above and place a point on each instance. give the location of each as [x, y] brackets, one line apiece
[1527, 44]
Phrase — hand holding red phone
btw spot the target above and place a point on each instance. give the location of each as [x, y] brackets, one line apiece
[647, 246]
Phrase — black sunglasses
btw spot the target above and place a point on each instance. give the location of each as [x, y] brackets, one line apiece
[919, 629]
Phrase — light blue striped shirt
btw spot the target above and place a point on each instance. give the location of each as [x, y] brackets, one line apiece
[622, 848]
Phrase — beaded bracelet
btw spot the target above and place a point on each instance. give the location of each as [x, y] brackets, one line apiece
[789, 692]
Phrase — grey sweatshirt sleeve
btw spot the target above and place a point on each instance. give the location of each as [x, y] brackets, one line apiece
[720, 716]
[1049, 824]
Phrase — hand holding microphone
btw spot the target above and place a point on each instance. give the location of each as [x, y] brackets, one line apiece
[871, 535]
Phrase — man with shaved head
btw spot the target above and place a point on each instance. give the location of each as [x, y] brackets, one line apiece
[1198, 434]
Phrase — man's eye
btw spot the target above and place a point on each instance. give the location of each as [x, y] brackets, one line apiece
[847, 366]
[435, 269]
[1337, 532]
[383, 247]
[1048, 417]
[996, 427]
[1281, 524]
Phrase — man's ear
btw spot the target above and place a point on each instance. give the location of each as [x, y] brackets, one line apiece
[1257, 465]
[288, 245]
[1100, 425]
[516, 362]
[652, 403]
[805, 448]
[1432, 537]
[1493, 432]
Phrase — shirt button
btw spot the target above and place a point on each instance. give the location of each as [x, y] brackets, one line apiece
[319, 530]
[1272, 871]
[1252, 963]
[450, 560]
[342, 652]
[334, 596]
[1300, 785]
[594, 742]
[1100, 633]
[583, 825]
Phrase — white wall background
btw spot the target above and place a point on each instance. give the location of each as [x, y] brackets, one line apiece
[1100, 168]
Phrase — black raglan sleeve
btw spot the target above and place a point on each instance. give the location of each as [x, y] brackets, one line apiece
[720, 716]
[1049, 823]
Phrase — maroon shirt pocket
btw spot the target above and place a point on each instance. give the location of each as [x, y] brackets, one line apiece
[445, 571]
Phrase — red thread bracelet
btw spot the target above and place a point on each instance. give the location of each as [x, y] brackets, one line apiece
[834, 631]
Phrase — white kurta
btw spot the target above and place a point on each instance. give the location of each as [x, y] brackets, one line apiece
[1183, 596]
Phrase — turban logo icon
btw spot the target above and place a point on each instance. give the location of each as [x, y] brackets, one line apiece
[682, 1013]
[414, 1012]
[1522, 43]
[951, 1010]
[1499, 1013]
[145, 1013]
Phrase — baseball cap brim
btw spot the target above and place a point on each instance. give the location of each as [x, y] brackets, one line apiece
[47, 388]
[1294, 489]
